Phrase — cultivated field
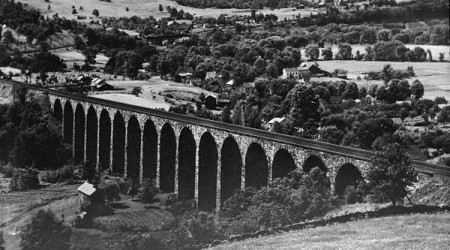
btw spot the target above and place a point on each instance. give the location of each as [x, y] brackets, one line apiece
[423, 231]
[71, 56]
[435, 76]
[144, 8]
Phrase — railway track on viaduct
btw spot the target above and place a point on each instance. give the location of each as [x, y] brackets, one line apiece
[360, 154]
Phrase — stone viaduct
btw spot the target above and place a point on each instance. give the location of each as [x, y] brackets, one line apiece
[194, 158]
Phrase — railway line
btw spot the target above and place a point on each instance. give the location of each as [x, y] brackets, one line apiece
[360, 154]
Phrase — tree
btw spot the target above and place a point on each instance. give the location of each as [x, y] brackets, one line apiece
[127, 9]
[443, 116]
[89, 58]
[49, 7]
[312, 51]
[391, 173]
[420, 54]
[74, 12]
[327, 54]
[148, 190]
[345, 52]
[161, 8]
[136, 90]
[128, 64]
[45, 232]
[95, 12]
[387, 73]
[8, 37]
[1, 241]
[79, 43]
[226, 114]
[304, 105]
[417, 89]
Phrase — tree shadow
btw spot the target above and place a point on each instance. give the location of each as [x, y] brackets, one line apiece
[119, 205]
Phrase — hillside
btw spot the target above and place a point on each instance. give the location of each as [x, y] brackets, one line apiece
[143, 8]
[422, 231]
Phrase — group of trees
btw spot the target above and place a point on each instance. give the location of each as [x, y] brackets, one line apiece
[31, 23]
[33, 134]
[298, 197]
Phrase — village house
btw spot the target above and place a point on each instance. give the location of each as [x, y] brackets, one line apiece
[246, 88]
[280, 120]
[100, 85]
[297, 73]
[90, 194]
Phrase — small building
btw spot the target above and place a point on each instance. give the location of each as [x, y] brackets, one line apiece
[184, 76]
[90, 194]
[281, 120]
[210, 102]
[101, 85]
[313, 68]
[230, 83]
[297, 73]
[223, 102]
[211, 75]
[246, 88]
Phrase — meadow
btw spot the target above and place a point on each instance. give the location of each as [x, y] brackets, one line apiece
[145, 8]
[435, 76]
[421, 231]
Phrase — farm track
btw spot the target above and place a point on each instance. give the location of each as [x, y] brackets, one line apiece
[235, 129]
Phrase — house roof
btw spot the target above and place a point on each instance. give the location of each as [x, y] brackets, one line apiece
[291, 69]
[210, 74]
[307, 65]
[248, 85]
[230, 82]
[185, 74]
[277, 119]
[87, 188]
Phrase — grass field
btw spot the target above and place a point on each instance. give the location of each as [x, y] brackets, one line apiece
[435, 76]
[17, 208]
[143, 8]
[435, 50]
[423, 231]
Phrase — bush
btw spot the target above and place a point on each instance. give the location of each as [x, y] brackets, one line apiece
[83, 221]
[351, 195]
[24, 179]
[195, 229]
[65, 173]
[49, 177]
[181, 207]
[288, 200]
[148, 190]
[136, 90]
[169, 200]
[112, 191]
[7, 171]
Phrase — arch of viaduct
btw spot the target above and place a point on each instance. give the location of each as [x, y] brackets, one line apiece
[195, 161]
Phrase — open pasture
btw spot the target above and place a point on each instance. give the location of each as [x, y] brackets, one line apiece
[435, 76]
[429, 231]
[144, 8]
